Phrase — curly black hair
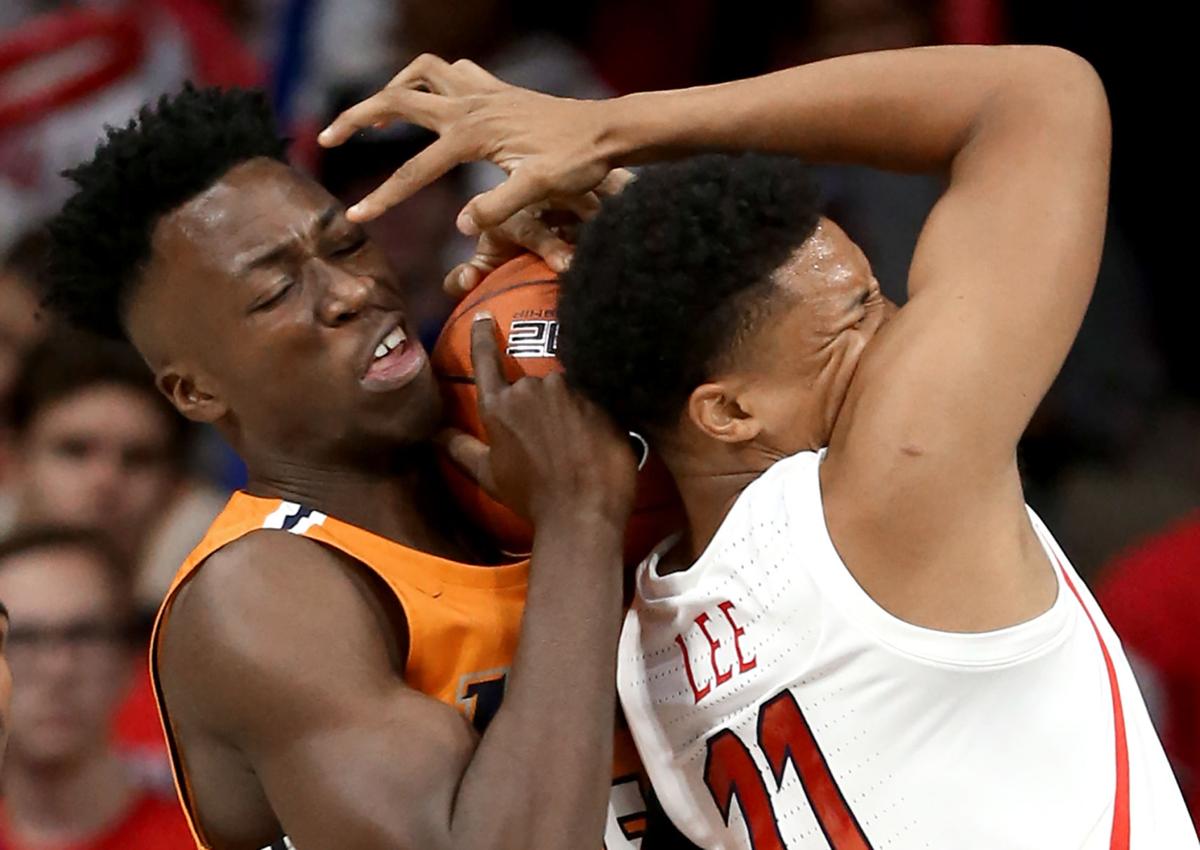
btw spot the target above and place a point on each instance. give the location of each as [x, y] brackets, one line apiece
[166, 155]
[672, 273]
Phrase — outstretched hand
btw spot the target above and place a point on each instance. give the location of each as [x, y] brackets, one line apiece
[549, 230]
[550, 147]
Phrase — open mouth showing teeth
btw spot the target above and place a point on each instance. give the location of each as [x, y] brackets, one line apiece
[395, 361]
[390, 343]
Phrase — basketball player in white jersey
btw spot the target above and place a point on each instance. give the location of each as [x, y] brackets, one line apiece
[863, 639]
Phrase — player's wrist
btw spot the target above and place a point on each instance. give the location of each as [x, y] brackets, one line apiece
[635, 129]
[581, 519]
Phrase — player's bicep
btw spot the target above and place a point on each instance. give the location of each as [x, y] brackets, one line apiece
[1003, 271]
[296, 672]
[382, 772]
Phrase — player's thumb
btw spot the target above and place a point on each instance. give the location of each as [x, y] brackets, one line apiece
[469, 454]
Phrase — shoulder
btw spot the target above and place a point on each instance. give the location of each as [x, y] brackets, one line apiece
[269, 615]
[256, 577]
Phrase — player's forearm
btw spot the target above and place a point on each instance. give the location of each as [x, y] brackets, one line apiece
[904, 110]
[541, 775]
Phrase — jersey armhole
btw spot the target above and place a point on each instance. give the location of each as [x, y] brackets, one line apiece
[391, 601]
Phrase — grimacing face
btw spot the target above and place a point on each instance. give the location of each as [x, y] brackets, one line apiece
[264, 310]
[792, 373]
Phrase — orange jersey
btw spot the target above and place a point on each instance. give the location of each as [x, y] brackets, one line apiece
[463, 625]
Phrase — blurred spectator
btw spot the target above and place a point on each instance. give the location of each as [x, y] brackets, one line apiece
[509, 38]
[70, 643]
[130, 51]
[1151, 596]
[95, 444]
[518, 40]
[627, 41]
[1105, 503]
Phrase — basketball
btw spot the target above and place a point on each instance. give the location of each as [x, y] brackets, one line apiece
[522, 295]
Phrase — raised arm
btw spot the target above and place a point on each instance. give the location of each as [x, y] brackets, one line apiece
[921, 473]
[1004, 267]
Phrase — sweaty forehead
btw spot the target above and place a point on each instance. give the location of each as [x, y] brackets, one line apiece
[256, 203]
[189, 283]
[828, 263]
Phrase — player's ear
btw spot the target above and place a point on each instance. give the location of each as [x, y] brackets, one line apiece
[192, 394]
[714, 409]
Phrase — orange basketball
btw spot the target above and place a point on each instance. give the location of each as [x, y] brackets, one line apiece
[522, 295]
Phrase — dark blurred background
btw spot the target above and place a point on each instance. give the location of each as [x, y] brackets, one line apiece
[1111, 461]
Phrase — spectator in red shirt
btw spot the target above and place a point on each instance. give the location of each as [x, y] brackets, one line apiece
[95, 445]
[69, 643]
[1151, 596]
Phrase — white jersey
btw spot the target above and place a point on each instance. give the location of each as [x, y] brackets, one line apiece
[776, 705]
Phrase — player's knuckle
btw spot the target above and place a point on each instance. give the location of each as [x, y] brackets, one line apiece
[526, 387]
[524, 228]
[400, 177]
[539, 179]
[424, 62]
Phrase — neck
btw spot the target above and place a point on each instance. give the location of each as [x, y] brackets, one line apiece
[709, 482]
[706, 501]
[65, 803]
[404, 500]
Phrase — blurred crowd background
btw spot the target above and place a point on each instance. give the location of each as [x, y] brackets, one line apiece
[103, 489]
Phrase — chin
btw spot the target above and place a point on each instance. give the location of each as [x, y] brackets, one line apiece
[416, 422]
[426, 417]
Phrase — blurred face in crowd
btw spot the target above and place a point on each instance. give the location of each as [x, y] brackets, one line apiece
[71, 662]
[97, 458]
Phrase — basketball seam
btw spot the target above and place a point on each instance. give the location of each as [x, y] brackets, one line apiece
[462, 308]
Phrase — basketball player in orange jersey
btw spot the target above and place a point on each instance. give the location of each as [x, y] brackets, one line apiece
[319, 649]
[864, 638]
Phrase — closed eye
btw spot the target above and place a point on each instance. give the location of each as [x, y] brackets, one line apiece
[273, 299]
[351, 247]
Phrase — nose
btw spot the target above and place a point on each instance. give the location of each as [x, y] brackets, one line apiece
[103, 476]
[57, 661]
[345, 296]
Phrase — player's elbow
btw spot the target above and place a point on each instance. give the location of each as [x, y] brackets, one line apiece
[1066, 86]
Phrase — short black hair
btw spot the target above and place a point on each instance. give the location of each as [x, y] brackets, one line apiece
[69, 361]
[166, 155]
[672, 272]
